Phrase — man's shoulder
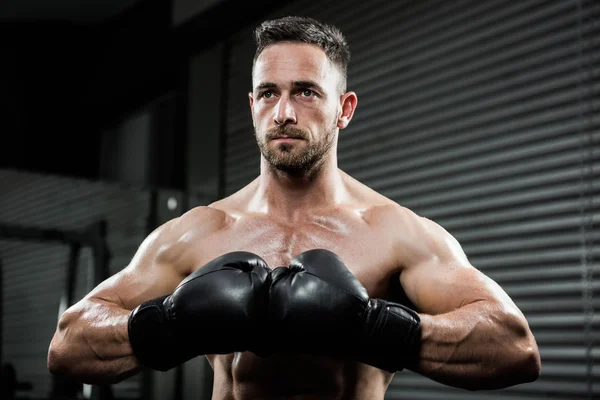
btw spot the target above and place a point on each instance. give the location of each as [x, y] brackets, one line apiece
[201, 220]
[209, 215]
[169, 242]
[418, 236]
[391, 213]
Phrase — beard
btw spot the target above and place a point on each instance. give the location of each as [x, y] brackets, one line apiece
[292, 158]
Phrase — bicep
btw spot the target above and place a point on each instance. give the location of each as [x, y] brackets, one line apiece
[441, 279]
[436, 287]
[152, 272]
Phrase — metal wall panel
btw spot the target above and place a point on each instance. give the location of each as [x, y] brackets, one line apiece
[35, 272]
[482, 116]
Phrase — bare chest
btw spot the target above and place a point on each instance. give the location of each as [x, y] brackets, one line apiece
[365, 249]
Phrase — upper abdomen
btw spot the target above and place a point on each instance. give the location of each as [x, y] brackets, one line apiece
[245, 376]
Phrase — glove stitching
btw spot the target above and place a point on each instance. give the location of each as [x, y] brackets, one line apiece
[410, 319]
[371, 328]
[171, 309]
[381, 318]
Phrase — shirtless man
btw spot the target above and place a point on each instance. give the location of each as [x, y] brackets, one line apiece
[288, 286]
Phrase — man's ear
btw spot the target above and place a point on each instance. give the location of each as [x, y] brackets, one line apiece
[251, 99]
[348, 102]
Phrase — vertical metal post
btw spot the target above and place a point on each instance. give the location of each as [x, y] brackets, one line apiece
[1, 311]
[65, 388]
[100, 272]
[69, 294]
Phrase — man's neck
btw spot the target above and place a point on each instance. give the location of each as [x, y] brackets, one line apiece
[291, 196]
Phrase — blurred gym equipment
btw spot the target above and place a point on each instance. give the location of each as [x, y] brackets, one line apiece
[94, 237]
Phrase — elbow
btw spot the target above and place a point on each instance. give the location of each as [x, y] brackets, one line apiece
[524, 362]
[528, 362]
[523, 366]
[60, 353]
[61, 363]
[58, 356]
[55, 362]
[518, 360]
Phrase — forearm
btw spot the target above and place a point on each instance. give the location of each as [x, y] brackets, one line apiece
[479, 346]
[91, 344]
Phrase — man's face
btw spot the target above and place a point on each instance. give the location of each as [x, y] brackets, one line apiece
[295, 103]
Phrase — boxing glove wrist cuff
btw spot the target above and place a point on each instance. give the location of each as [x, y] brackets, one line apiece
[392, 336]
[153, 337]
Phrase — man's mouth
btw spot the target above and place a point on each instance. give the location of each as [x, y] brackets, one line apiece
[286, 138]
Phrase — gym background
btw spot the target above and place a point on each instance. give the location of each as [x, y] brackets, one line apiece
[119, 115]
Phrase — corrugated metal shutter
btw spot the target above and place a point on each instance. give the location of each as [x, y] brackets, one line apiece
[482, 116]
[35, 272]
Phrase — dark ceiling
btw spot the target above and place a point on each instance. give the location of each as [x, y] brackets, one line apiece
[71, 72]
[75, 11]
[94, 11]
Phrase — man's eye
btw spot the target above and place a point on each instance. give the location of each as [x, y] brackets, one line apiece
[307, 92]
[267, 94]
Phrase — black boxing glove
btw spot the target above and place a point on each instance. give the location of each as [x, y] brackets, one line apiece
[317, 303]
[218, 309]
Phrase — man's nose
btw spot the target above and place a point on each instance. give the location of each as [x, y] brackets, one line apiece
[284, 112]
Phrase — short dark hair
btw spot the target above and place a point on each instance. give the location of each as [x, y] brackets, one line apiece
[305, 30]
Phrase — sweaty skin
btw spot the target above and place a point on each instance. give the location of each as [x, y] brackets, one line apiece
[360, 222]
[473, 335]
